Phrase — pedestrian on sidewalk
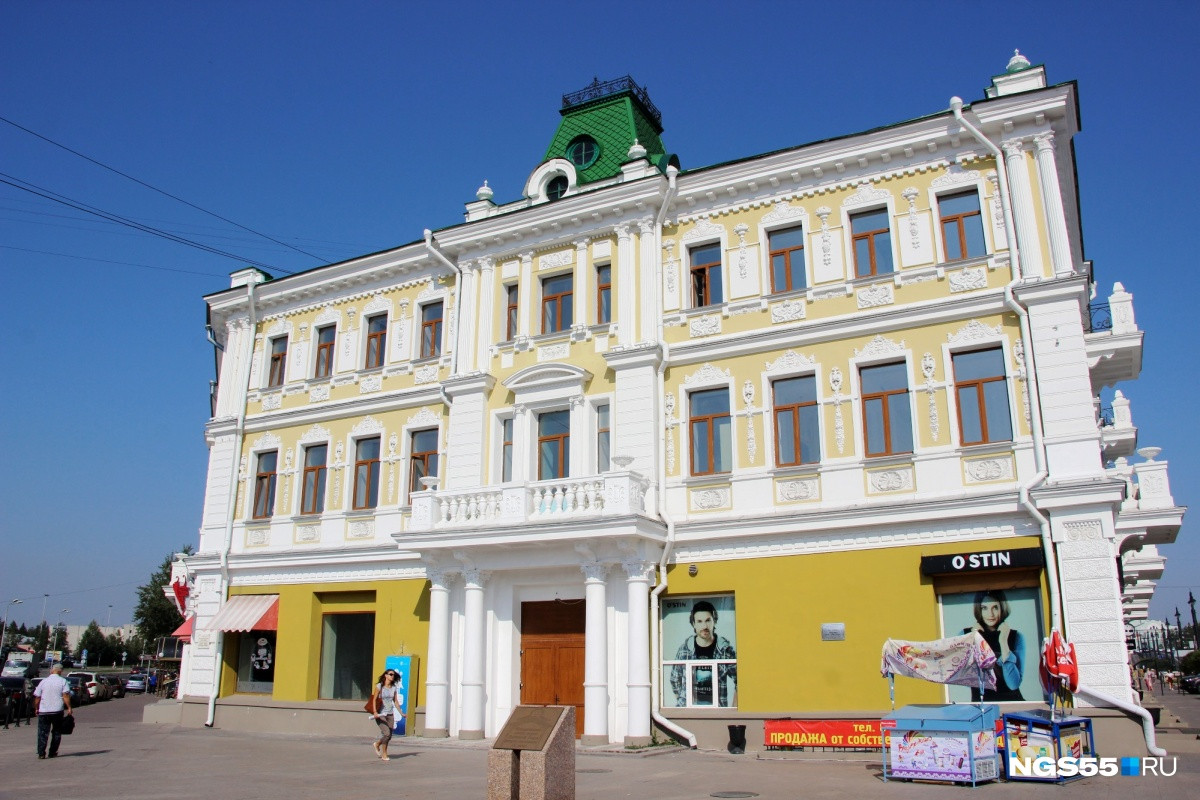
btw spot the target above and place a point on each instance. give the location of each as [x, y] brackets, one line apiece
[383, 705]
[51, 702]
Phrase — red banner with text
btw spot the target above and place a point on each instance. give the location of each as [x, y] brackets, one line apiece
[856, 733]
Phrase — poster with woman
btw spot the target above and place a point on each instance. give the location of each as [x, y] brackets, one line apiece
[699, 640]
[1010, 622]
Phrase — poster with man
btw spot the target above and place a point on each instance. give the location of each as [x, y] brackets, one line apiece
[1009, 622]
[699, 651]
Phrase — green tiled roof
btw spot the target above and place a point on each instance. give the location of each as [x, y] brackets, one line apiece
[614, 121]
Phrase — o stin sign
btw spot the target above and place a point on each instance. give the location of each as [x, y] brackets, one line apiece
[981, 562]
[854, 733]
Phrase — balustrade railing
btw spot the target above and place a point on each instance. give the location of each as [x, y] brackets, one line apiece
[1099, 317]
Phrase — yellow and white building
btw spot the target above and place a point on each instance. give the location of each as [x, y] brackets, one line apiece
[833, 391]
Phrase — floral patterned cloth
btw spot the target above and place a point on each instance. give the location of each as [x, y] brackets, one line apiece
[965, 660]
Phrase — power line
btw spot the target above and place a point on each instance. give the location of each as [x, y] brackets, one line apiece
[48, 194]
[108, 261]
[160, 191]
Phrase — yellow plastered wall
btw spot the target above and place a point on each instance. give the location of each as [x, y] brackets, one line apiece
[401, 628]
[784, 666]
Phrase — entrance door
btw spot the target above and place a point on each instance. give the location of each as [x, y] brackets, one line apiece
[552, 655]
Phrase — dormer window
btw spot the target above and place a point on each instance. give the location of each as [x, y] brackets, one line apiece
[583, 151]
[557, 187]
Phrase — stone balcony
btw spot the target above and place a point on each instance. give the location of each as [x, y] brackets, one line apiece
[1148, 513]
[1113, 341]
[1118, 434]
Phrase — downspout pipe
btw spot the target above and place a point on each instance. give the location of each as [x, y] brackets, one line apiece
[458, 290]
[239, 432]
[663, 511]
[1036, 427]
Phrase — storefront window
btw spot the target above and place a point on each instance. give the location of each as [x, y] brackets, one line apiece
[699, 636]
[256, 662]
[347, 648]
[1008, 620]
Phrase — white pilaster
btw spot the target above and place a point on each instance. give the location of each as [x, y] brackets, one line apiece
[474, 656]
[595, 668]
[524, 436]
[626, 308]
[437, 667]
[583, 283]
[583, 449]
[647, 273]
[467, 315]
[1056, 223]
[525, 296]
[637, 732]
[1022, 208]
[486, 319]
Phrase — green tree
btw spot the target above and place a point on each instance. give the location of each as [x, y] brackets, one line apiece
[154, 614]
[92, 640]
[1190, 664]
[59, 640]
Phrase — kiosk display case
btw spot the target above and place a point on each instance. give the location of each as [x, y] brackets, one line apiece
[954, 743]
[1042, 734]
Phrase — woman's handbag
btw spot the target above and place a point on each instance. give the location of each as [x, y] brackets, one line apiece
[67, 726]
[374, 704]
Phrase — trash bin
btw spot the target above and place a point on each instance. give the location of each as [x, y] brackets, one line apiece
[737, 738]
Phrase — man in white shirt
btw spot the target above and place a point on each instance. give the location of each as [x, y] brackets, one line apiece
[51, 701]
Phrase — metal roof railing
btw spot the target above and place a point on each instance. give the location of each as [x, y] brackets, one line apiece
[598, 89]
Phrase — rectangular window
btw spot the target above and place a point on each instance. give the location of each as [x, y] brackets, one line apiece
[699, 651]
[278, 361]
[431, 330]
[706, 275]
[982, 393]
[603, 294]
[347, 653]
[887, 418]
[423, 460]
[711, 435]
[312, 496]
[366, 473]
[787, 259]
[325, 339]
[797, 432]
[264, 485]
[556, 303]
[506, 449]
[256, 662]
[603, 437]
[962, 225]
[872, 243]
[376, 340]
[554, 445]
[510, 312]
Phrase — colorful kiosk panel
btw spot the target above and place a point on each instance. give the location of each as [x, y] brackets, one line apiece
[942, 743]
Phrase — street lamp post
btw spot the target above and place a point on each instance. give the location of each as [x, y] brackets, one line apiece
[1195, 627]
[1179, 629]
[4, 626]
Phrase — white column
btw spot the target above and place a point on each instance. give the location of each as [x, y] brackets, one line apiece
[637, 732]
[465, 313]
[647, 274]
[1022, 208]
[595, 667]
[474, 656]
[525, 295]
[584, 447]
[581, 312]
[1056, 222]
[437, 666]
[524, 436]
[487, 312]
[626, 316]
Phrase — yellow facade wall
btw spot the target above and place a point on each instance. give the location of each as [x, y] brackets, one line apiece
[784, 666]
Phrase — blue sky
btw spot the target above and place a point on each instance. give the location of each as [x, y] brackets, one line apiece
[345, 128]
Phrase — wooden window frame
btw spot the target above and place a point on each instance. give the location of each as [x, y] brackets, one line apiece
[871, 237]
[561, 301]
[788, 254]
[378, 339]
[431, 330]
[959, 220]
[887, 416]
[512, 300]
[314, 503]
[709, 421]
[278, 361]
[794, 410]
[421, 457]
[603, 292]
[701, 276]
[564, 448]
[981, 397]
[371, 465]
[325, 350]
[264, 486]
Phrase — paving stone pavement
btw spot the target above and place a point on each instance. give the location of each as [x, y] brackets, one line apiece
[115, 756]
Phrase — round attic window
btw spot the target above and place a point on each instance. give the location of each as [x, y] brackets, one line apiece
[557, 187]
[583, 151]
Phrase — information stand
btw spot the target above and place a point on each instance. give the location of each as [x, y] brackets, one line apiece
[534, 755]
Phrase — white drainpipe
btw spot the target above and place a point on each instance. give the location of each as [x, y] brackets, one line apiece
[458, 291]
[227, 544]
[1039, 453]
[669, 546]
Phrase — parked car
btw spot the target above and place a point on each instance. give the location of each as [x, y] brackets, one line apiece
[115, 685]
[136, 683]
[16, 700]
[96, 688]
[79, 691]
[68, 662]
[1190, 684]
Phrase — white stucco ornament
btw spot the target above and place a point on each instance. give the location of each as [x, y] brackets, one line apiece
[484, 192]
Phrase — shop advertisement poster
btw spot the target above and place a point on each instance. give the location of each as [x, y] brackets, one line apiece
[1009, 621]
[699, 637]
[403, 667]
[935, 755]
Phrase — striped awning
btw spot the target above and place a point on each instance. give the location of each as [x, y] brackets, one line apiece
[247, 612]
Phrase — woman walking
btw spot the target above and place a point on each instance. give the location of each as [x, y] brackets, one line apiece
[383, 701]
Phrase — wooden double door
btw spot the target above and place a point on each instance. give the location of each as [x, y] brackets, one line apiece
[552, 655]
